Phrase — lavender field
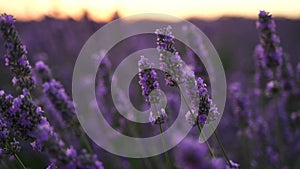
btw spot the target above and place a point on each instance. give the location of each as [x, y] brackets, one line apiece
[259, 128]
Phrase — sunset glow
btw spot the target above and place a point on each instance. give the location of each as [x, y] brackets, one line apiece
[101, 10]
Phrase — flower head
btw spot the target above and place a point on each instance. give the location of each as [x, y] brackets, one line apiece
[148, 81]
[15, 56]
[272, 51]
[7, 19]
[171, 62]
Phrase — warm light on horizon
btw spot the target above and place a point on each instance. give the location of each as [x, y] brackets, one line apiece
[100, 10]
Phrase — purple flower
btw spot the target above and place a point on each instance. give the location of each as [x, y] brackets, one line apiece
[242, 114]
[61, 101]
[149, 84]
[15, 56]
[63, 156]
[7, 19]
[159, 117]
[171, 62]
[165, 40]
[43, 71]
[148, 80]
[204, 102]
[272, 51]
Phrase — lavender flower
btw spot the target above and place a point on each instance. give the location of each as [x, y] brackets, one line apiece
[64, 157]
[262, 74]
[171, 62]
[20, 114]
[44, 71]
[56, 94]
[270, 42]
[149, 84]
[240, 108]
[8, 145]
[15, 56]
[25, 120]
[148, 80]
[287, 75]
[206, 110]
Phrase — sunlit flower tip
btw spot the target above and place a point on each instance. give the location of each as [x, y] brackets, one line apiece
[262, 13]
[8, 19]
[151, 118]
[234, 164]
[163, 113]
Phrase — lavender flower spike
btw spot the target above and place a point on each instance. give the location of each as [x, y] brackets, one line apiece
[171, 61]
[272, 51]
[204, 109]
[57, 95]
[149, 84]
[15, 56]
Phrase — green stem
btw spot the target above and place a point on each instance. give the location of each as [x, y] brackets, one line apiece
[206, 142]
[163, 142]
[19, 161]
[164, 145]
[198, 126]
[86, 143]
[223, 149]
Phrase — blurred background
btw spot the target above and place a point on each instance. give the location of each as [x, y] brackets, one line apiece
[55, 31]
[59, 28]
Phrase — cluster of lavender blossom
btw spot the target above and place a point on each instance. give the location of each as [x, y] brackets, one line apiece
[22, 120]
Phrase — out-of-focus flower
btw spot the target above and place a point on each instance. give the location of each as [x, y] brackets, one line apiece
[57, 95]
[192, 155]
[242, 114]
[272, 51]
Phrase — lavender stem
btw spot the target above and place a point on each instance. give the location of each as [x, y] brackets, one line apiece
[86, 143]
[19, 161]
[223, 149]
[198, 125]
[163, 142]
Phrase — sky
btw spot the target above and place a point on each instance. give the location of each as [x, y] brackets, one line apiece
[102, 10]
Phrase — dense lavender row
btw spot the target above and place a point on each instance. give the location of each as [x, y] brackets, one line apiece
[260, 127]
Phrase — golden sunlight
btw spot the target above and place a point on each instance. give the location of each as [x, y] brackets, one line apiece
[101, 10]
